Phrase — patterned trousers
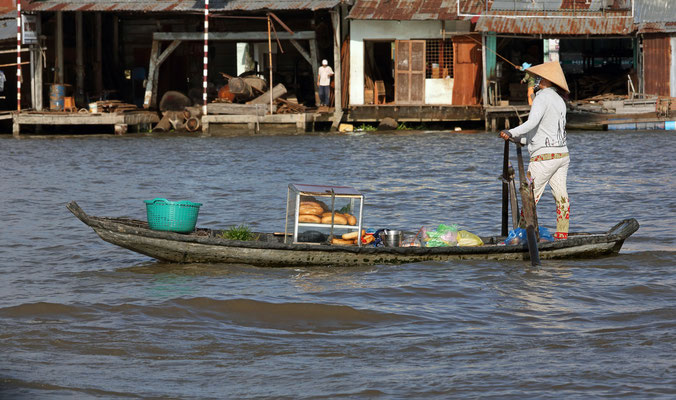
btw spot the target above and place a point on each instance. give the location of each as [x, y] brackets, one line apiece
[553, 169]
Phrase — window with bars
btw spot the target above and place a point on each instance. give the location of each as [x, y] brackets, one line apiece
[439, 59]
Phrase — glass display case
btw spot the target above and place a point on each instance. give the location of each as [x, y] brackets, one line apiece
[341, 211]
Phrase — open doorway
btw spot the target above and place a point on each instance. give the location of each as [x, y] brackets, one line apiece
[378, 72]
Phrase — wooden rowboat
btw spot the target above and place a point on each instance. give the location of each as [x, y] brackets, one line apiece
[206, 246]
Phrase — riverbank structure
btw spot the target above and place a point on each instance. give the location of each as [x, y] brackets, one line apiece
[415, 61]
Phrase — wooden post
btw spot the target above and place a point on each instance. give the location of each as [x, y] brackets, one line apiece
[79, 59]
[16, 128]
[338, 102]
[58, 78]
[116, 41]
[150, 89]
[99, 57]
[315, 67]
[38, 65]
[483, 69]
[270, 84]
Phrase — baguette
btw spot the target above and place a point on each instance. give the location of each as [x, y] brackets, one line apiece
[337, 220]
[353, 235]
[309, 218]
[342, 242]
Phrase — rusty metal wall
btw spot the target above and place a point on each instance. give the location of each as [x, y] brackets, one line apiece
[656, 64]
[536, 23]
[177, 5]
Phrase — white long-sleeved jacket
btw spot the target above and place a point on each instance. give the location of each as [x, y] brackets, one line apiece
[545, 129]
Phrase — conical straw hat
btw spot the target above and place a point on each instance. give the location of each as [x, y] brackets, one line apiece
[552, 72]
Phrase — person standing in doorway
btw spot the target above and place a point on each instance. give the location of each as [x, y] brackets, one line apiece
[545, 134]
[324, 83]
[530, 80]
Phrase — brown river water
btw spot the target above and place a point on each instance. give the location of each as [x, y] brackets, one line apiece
[83, 319]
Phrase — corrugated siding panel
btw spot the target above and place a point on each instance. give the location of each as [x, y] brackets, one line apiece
[656, 59]
[178, 5]
[533, 23]
[404, 10]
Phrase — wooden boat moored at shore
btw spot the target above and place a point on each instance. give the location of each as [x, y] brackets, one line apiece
[207, 246]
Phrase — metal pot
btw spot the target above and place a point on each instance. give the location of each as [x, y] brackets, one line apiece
[391, 238]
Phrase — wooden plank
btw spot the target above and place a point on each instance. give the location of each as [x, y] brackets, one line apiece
[238, 109]
[232, 36]
[70, 119]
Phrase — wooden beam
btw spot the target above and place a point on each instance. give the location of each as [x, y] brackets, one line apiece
[116, 41]
[232, 36]
[315, 68]
[301, 50]
[79, 58]
[99, 56]
[337, 69]
[156, 60]
[154, 54]
[58, 78]
[167, 52]
[39, 66]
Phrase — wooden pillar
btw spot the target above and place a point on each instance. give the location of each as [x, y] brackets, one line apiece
[315, 67]
[79, 59]
[16, 128]
[98, 68]
[150, 89]
[337, 68]
[58, 73]
[483, 70]
[39, 67]
[116, 41]
[156, 60]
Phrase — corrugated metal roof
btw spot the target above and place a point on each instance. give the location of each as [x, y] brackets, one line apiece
[404, 10]
[177, 5]
[655, 15]
[528, 23]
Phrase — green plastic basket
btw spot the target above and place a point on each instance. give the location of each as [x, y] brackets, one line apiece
[174, 216]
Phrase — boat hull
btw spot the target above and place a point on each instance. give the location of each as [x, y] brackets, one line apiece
[206, 246]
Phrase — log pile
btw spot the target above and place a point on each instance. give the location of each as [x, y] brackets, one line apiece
[188, 119]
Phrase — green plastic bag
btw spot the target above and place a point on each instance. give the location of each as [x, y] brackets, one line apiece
[469, 239]
[444, 235]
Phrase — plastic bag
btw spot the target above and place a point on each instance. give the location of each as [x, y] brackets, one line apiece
[444, 235]
[519, 236]
[469, 239]
[516, 236]
[545, 235]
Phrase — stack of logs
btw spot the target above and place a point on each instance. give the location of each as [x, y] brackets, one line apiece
[188, 119]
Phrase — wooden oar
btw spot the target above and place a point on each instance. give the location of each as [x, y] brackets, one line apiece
[528, 203]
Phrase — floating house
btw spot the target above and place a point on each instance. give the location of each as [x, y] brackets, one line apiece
[135, 52]
[413, 61]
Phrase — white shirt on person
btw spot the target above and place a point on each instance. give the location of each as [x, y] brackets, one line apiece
[325, 74]
[545, 129]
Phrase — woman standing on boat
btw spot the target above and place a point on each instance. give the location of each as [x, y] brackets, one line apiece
[545, 134]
